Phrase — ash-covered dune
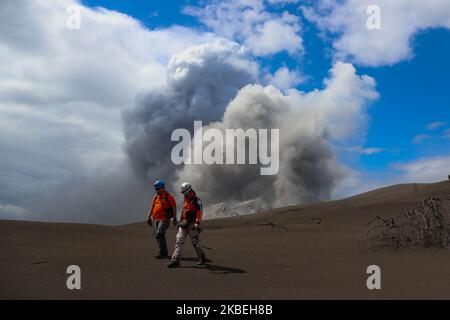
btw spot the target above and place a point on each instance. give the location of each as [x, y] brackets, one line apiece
[307, 251]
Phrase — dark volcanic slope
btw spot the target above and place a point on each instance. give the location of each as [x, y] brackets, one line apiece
[249, 260]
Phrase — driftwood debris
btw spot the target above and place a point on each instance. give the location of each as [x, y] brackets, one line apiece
[273, 225]
[427, 225]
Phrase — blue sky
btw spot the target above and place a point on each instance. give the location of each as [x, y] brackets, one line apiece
[154, 14]
[413, 93]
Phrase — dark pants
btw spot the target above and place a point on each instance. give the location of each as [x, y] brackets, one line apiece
[160, 230]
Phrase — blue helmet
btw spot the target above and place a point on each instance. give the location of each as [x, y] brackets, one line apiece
[159, 184]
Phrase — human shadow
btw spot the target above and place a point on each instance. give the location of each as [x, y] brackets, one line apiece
[213, 268]
[192, 259]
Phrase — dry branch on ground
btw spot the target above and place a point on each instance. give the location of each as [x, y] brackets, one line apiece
[427, 225]
[274, 225]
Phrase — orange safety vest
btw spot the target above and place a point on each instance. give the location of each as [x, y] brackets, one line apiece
[162, 207]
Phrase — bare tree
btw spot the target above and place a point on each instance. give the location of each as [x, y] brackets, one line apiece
[427, 225]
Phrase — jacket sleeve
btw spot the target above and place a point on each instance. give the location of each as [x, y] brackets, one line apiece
[199, 212]
[173, 205]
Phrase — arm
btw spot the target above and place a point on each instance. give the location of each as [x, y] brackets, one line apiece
[149, 218]
[199, 213]
[150, 212]
[198, 219]
[173, 205]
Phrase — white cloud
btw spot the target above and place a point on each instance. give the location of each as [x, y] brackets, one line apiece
[275, 36]
[418, 139]
[308, 122]
[431, 169]
[202, 80]
[400, 21]
[284, 78]
[342, 104]
[421, 170]
[283, 2]
[366, 151]
[252, 24]
[436, 125]
[62, 91]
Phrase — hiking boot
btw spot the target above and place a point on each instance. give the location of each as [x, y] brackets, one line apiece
[202, 261]
[173, 264]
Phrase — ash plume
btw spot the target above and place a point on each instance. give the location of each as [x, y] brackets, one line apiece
[200, 83]
[217, 84]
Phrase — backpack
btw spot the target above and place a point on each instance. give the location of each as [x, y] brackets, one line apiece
[191, 215]
[168, 210]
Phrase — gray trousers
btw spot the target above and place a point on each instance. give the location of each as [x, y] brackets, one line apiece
[181, 237]
[160, 235]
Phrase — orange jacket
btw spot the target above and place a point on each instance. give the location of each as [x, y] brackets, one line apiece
[160, 204]
[192, 209]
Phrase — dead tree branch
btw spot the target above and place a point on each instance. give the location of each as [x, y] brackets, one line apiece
[427, 225]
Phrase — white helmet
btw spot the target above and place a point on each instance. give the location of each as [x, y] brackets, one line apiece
[185, 188]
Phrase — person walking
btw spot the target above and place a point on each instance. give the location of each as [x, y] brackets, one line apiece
[191, 216]
[162, 210]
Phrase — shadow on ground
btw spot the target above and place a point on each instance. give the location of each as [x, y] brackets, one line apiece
[213, 268]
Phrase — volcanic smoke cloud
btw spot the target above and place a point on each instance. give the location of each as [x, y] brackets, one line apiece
[201, 81]
[217, 84]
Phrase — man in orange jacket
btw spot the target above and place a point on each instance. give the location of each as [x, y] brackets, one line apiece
[190, 225]
[162, 209]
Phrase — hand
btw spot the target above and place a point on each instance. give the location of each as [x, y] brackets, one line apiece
[197, 227]
[149, 222]
[175, 222]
